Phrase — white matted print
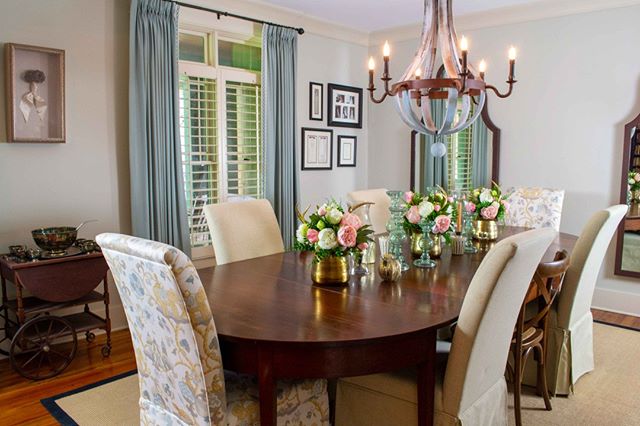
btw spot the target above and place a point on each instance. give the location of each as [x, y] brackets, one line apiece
[347, 151]
[316, 106]
[317, 149]
[345, 106]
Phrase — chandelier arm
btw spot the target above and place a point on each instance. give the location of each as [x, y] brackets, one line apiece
[450, 57]
[428, 41]
[474, 117]
[502, 95]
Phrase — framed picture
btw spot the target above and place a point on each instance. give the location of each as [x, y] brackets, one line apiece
[316, 107]
[347, 151]
[345, 106]
[35, 93]
[317, 149]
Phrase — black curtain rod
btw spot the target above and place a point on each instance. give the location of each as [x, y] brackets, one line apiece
[233, 15]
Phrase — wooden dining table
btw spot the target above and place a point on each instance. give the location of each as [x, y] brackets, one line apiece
[273, 323]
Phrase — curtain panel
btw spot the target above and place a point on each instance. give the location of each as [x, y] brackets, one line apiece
[279, 56]
[158, 206]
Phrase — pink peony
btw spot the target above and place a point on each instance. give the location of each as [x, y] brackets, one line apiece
[413, 215]
[437, 207]
[312, 236]
[322, 211]
[450, 199]
[489, 212]
[363, 246]
[347, 236]
[351, 220]
[469, 207]
[442, 224]
[408, 196]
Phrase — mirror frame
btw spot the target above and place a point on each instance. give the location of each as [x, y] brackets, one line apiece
[495, 148]
[626, 157]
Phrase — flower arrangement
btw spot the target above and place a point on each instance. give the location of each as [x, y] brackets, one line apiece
[330, 231]
[436, 207]
[634, 181]
[487, 204]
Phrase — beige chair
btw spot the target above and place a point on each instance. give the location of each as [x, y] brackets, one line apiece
[176, 345]
[243, 230]
[570, 352]
[379, 211]
[472, 389]
[534, 207]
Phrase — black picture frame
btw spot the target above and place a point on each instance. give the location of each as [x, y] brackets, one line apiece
[341, 151]
[350, 108]
[307, 160]
[316, 114]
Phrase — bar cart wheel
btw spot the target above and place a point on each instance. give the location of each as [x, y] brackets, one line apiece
[89, 336]
[38, 351]
[106, 351]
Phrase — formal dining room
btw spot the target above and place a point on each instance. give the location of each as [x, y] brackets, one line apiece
[320, 212]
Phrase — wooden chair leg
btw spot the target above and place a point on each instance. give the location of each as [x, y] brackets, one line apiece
[517, 385]
[542, 377]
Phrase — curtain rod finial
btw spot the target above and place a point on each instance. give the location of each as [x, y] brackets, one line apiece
[300, 31]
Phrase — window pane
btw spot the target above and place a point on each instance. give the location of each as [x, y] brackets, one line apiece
[239, 55]
[192, 48]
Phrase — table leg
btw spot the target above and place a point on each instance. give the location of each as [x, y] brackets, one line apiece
[427, 383]
[266, 387]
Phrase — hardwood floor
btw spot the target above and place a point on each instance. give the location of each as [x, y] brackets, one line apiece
[20, 398]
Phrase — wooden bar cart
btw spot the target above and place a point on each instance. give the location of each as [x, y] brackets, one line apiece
[41, 344]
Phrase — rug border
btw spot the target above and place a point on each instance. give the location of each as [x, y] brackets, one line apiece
[626, 327]
[60, 415]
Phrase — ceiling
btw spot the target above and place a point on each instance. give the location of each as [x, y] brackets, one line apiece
[374, 15]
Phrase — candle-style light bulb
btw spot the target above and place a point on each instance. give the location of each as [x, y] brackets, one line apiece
[418, 73]
[483, 66]
[386, 50]
[464, 44]
[372, 64]
[512, 53]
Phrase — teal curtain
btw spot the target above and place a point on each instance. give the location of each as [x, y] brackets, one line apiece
[435, 170]
[480, 173]
[279, 55]
[158, 206]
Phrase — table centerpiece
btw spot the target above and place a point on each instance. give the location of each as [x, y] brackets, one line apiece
[486, 206]
[634, 186]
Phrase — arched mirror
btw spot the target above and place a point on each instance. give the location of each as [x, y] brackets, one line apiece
[628, 249]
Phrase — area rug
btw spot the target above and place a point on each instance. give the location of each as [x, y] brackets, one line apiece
[607, 396]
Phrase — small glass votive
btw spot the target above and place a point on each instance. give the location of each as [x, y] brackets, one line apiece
[457, 245]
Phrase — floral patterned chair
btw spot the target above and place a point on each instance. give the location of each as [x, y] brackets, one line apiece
[176, 346]
[534, 207]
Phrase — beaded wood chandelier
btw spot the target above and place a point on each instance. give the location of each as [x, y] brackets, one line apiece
[419, 85]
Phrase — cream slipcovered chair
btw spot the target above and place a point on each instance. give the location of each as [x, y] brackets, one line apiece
[472, 389]
[176, 346]
[570, 352]
[379, 212]
[243, 230]
[534, 207]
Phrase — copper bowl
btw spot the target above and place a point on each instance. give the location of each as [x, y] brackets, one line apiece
[55, 240]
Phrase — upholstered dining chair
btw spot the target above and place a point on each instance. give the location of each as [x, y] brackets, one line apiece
[534, 207]
[470, 385]
[176, 346]
[243, 230]
[379, 211]
[570, 353]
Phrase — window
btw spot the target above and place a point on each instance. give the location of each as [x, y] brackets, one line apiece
[222, 154]
[460, 158]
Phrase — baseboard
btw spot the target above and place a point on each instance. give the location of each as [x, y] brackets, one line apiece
[616, 301]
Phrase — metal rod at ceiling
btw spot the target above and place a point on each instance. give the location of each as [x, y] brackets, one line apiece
[233, 15]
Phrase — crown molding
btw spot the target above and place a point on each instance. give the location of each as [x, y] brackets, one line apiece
[539, 10]
[269, 12]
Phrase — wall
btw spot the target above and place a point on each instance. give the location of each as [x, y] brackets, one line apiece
[563, 126]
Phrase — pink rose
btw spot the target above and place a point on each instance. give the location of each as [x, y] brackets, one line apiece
[442, 224]
[408, 196]
[347, 236]
[489, 212]
[505, 204]
[351, 220]
[450, 199]
[363, 246]
[322, 211]
[437, 207]
[413, 215]
[312, 236]
[469, 207]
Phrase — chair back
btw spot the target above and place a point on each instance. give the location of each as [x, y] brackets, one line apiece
[547, 282]
[574, 301]
[534, 207]
[174, 336]
[488, 316]
[378, 212]
[243, 230]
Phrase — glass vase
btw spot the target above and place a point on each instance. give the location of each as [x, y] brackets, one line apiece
[425, 260]
[468, 233]
[397, 235]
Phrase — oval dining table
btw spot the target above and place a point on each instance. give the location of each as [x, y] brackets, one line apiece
[273, 323]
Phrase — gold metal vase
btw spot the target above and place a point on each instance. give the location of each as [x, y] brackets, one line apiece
[416, 245]
[485, 230]
[331, 270]
[635, 196]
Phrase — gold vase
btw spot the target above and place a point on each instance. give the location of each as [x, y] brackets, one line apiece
[330, 271]
[416, 245]
[485, 230]
[635, 196]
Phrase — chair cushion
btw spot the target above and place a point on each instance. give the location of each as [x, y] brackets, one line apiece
[299, 402]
